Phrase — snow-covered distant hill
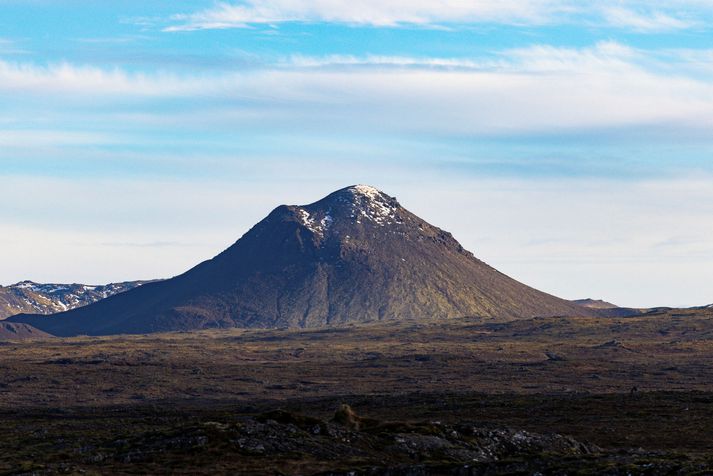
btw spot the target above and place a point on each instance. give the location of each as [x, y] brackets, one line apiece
[34, 298]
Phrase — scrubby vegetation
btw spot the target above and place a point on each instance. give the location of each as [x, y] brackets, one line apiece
[629, 395]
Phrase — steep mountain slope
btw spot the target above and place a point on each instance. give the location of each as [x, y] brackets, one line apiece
[354, 256]
[30, 297]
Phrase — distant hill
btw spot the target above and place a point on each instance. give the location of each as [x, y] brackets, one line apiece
[18, 331]
[607, 309]
[29, 297]
[595, 303]
[356, 255]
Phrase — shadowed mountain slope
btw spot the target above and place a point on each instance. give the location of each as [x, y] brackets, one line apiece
[354, 256]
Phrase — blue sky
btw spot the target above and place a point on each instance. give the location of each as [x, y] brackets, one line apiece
[569, 145]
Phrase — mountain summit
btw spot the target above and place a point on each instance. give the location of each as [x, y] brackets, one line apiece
[356, 255]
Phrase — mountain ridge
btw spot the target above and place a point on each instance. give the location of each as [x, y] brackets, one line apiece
[50, 298]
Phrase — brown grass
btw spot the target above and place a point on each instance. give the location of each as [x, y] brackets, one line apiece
[553, 355]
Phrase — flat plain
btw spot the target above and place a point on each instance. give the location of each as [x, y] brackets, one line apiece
[639, 390]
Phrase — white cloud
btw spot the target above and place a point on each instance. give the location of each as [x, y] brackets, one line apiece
[538, 89]
[301, 61]
[80, 80]
[371, 12]
[644, 21]
[628, 14]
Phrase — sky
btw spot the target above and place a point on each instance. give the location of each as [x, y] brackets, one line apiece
[568, 144]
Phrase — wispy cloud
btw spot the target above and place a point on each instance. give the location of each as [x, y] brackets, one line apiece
[651, 21]
[627, 14]
[11, 47]
[536, 89]
[113, 40]
[71, 78]
[371, 12]
[13, 138]
[301, 61]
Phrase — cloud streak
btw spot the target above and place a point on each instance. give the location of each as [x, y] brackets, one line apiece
[540, 89]
[10, 47]
[370, 12]
[629, 14]
[81, 80]
[646, 22]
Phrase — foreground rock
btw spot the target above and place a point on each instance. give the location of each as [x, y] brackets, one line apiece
[282, 442]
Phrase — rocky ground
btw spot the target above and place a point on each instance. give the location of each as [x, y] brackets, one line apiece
[200, 439]
[554, 396]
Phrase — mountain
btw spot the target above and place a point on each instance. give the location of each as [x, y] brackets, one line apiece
[30, 297]
[356, 255]
[18, 331]
[607, 309]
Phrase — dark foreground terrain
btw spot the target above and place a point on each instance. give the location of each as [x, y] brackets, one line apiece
[554, 396]
[411, 434]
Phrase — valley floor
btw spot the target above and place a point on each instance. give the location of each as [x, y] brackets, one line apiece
[634, 394]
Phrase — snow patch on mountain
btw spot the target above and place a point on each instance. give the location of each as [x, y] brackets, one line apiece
[374, 205]
[312, 223]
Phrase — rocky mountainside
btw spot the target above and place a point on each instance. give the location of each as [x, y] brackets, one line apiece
[356, 255]
[34, 298]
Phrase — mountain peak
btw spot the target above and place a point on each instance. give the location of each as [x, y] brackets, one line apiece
[360, 204]
[357, 193]
[24, 284]
[365, 190]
